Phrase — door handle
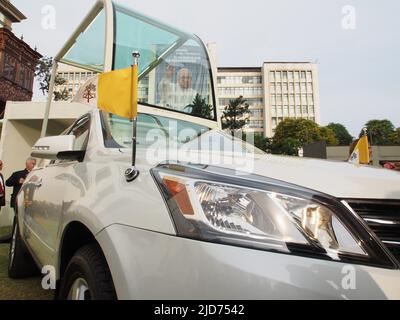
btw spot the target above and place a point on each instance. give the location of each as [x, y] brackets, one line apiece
[38, 184]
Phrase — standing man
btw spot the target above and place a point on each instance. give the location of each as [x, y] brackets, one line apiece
[2, 199]
[2, 188]
[18, 178]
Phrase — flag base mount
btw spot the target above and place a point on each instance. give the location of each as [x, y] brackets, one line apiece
[131, 174]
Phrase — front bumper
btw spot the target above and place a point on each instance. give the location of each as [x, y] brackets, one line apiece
[149, 265]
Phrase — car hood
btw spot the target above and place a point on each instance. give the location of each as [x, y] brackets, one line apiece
[339, 179]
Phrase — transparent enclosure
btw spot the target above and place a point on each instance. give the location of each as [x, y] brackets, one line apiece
[175, 72]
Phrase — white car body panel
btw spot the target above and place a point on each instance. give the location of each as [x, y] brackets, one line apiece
[136, 233]
[165, 267]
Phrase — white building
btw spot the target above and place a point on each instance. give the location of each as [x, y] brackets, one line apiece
[74, 77]
[275, 91]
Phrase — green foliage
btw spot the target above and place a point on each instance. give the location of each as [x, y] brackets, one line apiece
[234, 114]
[62, 95]
[289, 146]
[342, 135]
[328, 135]
[43, 75]
[201, 108]
[395, 137]
[260, 141]
[381, 132]
[293, 134]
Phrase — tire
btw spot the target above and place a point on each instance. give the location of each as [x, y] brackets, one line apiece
[87, 277]
[20, 263]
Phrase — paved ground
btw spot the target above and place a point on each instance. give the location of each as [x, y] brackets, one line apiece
[26, 289]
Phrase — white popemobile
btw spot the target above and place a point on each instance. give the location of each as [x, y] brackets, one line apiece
[208, 217]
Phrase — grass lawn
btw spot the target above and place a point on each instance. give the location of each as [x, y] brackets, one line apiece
[25, 289]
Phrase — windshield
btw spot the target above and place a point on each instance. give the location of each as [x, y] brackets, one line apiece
[156, 132]
[174, 68]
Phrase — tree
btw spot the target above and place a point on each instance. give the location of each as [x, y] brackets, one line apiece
[342, 135]
[380, 132]
[293, 134]
[290, 146]
[201, 108]
[328, 135]
[234, 115]
[395, 138]
[43, 74]
[260, 141]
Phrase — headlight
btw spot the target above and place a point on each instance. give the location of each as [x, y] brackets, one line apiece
[267, 215]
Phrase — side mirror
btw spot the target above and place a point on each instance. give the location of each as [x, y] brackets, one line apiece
[50, 147]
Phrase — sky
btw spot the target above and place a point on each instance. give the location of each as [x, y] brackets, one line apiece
[356, 43]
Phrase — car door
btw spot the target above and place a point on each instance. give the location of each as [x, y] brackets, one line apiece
[44, 199]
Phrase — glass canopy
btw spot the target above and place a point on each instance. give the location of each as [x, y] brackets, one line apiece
[175, 71]
[88, 50]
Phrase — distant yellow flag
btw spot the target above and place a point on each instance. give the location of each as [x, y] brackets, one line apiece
[360, 154]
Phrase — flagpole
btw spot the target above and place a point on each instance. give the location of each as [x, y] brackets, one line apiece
[132, 173]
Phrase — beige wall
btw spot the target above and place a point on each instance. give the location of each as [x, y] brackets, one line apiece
[379, 153]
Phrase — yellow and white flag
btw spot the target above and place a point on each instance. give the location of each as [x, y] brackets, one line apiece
[115, 92]
[360, 154]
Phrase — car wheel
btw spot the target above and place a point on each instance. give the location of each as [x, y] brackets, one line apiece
[87, 277]
[20, 263]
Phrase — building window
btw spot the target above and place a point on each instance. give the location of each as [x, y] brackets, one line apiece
[285, 99]
[256, 124]
[290, 75]
[309, 76]
[272, 76]
[273, 111]
[310, 99]
[22, 76]
[296, 76]
[254, 102]
[257, 113]
[291, 99]
[9, 67]
[284, 76]
[303, 76]
[279, 111]
[278, 76]
[285, 111]
[309, 87]
[272, 88]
